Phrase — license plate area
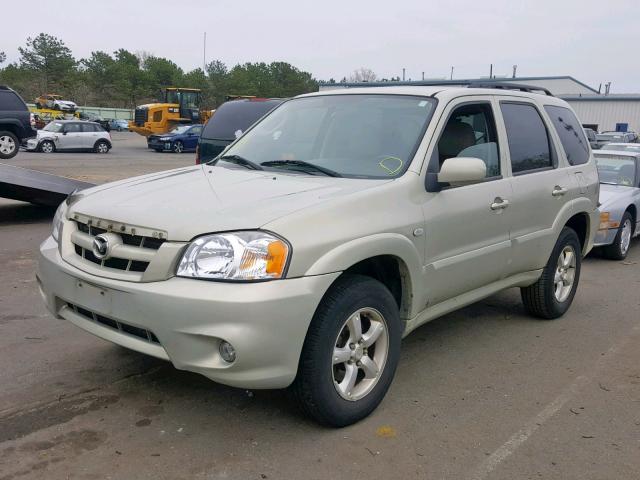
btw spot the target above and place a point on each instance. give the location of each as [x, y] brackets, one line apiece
[92, 297]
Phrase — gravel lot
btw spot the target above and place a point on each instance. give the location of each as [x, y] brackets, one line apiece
[484, 393]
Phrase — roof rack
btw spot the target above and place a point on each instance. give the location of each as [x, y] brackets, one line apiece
[509, 86]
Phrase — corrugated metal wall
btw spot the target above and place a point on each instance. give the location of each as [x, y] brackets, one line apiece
[605, 114]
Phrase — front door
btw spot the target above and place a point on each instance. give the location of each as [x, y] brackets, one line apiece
[467, 226]
[192, 137]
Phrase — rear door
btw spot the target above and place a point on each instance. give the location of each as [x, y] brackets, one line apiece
[539, 180]
[90, 135]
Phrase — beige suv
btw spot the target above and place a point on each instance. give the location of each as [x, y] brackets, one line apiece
[333, 227]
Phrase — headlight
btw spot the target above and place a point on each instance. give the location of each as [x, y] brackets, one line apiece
[57, 221]
[164, 139]
[238, 256]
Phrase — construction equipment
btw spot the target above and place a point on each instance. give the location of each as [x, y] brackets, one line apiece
[181, 106]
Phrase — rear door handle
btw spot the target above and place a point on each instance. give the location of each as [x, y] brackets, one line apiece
[499, 204]
[558, 191]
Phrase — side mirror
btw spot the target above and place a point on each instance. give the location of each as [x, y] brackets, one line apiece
[461, 170]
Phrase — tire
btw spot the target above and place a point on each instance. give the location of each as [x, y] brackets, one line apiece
[319, 388]
[9, 145]
[47, 146]
[547, 299]
[619, 249]
[101, 147]
[56, 106]
[177, 147]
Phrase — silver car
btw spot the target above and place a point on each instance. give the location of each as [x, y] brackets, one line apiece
[71, 135]
[619, 199]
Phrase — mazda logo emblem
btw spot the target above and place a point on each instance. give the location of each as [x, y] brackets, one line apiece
[100, 247]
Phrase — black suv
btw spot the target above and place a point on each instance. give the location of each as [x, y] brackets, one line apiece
[16, 122]
[229, 121]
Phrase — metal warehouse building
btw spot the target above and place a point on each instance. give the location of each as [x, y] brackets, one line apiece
[596, 111]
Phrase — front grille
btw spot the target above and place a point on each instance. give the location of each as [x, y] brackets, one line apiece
[117, 263]
[138, 332]
[141, 116]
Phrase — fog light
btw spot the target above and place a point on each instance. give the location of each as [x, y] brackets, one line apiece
[227, 352]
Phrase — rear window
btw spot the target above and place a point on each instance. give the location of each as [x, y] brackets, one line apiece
[11, 101]
[236, 116]
[571, 134]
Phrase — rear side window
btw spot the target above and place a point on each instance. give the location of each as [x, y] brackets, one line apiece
[11, 101]
[89, 127]
[575, 145]
[529, 145]
[232, 118]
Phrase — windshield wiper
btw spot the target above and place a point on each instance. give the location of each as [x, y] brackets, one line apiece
[239, 160]
[301, 165]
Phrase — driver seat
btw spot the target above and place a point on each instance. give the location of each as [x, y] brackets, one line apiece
[456, 137]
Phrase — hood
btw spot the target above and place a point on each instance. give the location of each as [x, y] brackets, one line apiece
[609, 194]
[162, 135]
[191, 201]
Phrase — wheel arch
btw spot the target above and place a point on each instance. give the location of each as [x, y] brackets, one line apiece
[580, 223]
[634, 214]
[102, 140]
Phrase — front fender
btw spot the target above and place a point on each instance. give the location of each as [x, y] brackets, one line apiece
[348, 254]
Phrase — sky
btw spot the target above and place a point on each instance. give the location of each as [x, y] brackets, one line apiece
[587, 39]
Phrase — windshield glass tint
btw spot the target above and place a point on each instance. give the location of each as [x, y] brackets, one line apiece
[53, 127]
[366, 136]
[616, 170]
[181, 129]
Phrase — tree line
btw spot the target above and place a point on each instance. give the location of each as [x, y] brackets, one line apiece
[126, 79]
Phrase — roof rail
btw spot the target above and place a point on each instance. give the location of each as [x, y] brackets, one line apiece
[510, 86]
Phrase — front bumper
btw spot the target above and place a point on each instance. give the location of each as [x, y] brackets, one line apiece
[186, 319]
[157, 144]
[605, 237]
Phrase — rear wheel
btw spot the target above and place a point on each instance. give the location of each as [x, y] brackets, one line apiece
[619, 249]
[101, 147]
[47, 147]
[178, 147]
[9, 144]
[551, 296]
[350, 353]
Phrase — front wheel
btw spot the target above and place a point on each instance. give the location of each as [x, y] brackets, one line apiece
[551, 296]
[178, 147]
[350, 353]
[619, 249]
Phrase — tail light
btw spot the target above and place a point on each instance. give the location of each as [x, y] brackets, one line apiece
[198, 154]
[32, 120]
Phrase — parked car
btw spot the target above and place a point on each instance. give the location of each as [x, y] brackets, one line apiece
[183, 138]
[624, 147]
[16, 123]
[229, 122]
[592, 138]
[55, 102]
[337, 224]
[614, 137]
[92, 117]
[71, 135]
[620, 200]
[119, 125]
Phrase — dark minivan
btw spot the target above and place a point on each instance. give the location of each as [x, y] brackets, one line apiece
[229, 121]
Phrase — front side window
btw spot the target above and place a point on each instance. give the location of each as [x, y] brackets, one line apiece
[361, 136]
[196, 130]
[575, 145]
[72, 127]
[617, 169]
[529, 145]
[471, 132]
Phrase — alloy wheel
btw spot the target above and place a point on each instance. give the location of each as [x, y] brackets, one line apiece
[565, 273]
[360, 354]
[7, 145]
[625, 237]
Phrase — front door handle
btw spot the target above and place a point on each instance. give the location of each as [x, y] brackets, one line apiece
[499, 204]
[558, 191]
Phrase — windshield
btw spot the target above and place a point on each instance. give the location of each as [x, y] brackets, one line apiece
[181, 129]
[616, 170]
[634, 147]
[183, 98]
[55, 127]
[609, 136]
[362, 136]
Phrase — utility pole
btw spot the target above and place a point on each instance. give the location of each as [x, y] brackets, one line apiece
[403, 72]
[491, 70]
[423, 76]
[515, 67]
[204, 54]
[451, 76]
